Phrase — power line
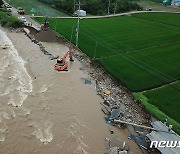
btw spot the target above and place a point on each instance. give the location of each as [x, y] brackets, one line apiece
[115, 50]
[150, 71]
[115, 8]
[145, 55]
[77, 30]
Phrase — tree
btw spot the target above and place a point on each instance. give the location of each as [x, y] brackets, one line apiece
[65, 5]
[1, 3]
[95, 7]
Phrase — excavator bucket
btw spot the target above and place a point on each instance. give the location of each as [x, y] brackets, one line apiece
[60, 68]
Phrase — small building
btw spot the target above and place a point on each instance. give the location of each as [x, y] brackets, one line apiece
[175, 2]
[166, 2]
[81, 13]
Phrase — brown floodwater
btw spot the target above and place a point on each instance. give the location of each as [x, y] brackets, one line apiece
[44, 111]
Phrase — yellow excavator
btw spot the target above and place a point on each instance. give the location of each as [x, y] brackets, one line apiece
[45, 26]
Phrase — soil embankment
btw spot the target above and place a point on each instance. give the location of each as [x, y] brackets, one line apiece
[46, 36]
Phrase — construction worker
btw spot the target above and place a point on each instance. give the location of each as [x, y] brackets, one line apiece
[59, 60]
[170, 127]
[165, 121]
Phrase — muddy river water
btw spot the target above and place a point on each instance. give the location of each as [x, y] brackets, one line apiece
[45, 111]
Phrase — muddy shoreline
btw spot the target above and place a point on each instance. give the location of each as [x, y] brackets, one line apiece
[119, 95]
[61, 114]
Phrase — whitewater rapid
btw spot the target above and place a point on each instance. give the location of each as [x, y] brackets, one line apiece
[15, 80]
[16, 85]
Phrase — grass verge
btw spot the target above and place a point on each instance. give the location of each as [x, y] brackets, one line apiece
[167, 99]
[156, 112]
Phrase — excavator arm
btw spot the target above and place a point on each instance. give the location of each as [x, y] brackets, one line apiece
[65, 56]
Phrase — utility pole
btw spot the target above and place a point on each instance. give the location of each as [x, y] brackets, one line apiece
[71, 34]
[115, 8]
[77, 29]
[146, 5]
[74, 6]
[109, 6]
[56, 24]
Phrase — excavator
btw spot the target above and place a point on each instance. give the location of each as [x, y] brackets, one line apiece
[61, 64]
[45, 26]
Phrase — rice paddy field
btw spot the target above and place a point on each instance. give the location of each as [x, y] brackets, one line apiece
[141, 50]
[166, 99]
[36, 8]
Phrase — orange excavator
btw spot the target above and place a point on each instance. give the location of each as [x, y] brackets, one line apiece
[61, 64]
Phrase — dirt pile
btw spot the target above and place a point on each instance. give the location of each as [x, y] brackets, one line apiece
[46, 36]
[33, 31]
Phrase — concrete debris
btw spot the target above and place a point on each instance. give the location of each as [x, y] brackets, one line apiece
[119, 97]
[86, 81]
[4, 46]
[140, 140]
[26, 30]
[115, 145]
[19, 30]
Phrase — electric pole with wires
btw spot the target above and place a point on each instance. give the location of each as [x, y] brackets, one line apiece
[115, 8]
[77, 29]
[109, 6]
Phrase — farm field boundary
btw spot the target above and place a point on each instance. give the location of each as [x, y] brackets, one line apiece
[163, 102]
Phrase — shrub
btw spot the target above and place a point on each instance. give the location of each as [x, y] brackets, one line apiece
[14, 22]
[1, 3]
[7, 20]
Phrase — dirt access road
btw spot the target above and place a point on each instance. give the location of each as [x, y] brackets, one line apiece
[109, 16]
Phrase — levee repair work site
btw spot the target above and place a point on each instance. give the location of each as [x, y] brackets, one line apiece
[57, 105]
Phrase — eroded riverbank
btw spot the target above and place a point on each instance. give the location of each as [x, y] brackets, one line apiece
[60, 114]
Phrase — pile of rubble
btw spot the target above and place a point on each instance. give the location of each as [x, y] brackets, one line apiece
[119, 97]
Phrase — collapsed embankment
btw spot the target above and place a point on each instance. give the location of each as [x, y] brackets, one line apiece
[119, 95]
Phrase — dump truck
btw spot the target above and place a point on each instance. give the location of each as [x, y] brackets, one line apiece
[20, 10]
[45, 25]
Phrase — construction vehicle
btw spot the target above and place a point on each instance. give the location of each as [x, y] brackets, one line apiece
[61, 64]
[20, 11]
[45, 26]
